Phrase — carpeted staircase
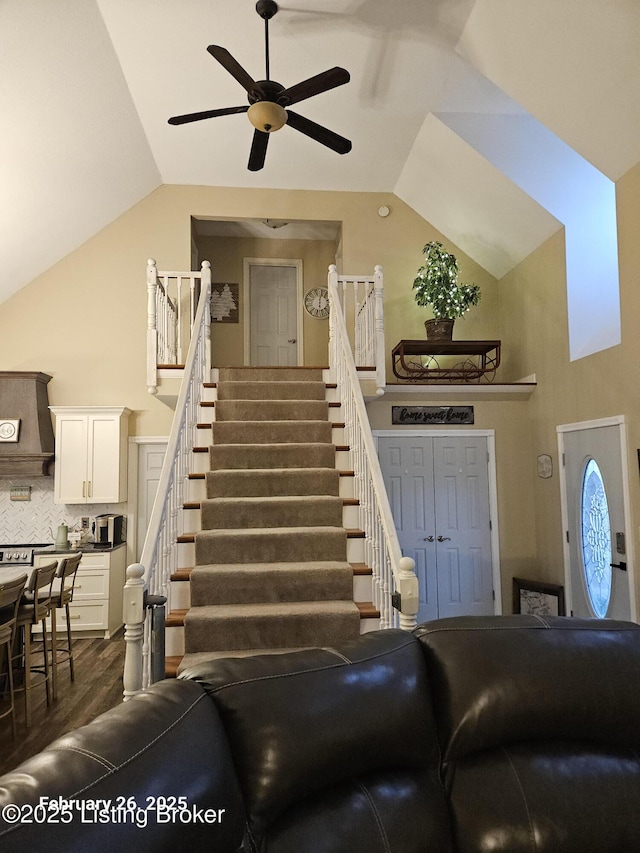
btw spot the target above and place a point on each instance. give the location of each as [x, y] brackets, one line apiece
[271, 567]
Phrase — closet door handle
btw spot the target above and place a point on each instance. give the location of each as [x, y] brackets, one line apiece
[444, 539]
[428, 539]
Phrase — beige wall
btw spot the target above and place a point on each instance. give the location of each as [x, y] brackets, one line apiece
[534, 330]
[226, 256]
[83, 321]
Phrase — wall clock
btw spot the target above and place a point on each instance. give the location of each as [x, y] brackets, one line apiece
[316, 302]
[9, 429]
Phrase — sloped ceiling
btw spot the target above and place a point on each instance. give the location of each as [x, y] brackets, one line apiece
[86, 88]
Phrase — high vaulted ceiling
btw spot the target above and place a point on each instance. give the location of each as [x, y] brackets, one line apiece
[87, 86]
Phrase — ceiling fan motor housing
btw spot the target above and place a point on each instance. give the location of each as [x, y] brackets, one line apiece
[266, 8]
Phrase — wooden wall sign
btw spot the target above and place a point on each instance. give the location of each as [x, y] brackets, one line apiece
[433, 415]
[225, 301]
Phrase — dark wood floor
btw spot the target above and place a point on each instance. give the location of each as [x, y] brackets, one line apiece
[97, 687]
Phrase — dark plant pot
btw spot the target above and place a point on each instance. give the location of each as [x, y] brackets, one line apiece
[439, 330]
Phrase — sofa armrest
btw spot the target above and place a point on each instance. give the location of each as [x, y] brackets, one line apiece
[112, 783]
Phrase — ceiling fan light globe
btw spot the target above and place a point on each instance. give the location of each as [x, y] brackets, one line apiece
[267, 116]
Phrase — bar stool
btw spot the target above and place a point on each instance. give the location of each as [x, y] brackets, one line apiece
[61, 597]
[34, 607]
[10, 594]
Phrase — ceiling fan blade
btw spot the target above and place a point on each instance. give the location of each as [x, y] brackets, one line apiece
[318, 132]
[258, 151]
[234, 68]
[315, 85]
[227, 111]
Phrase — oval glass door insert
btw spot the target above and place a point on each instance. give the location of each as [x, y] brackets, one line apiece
[596, 539]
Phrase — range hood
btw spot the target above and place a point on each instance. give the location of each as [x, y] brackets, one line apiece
[26, 434]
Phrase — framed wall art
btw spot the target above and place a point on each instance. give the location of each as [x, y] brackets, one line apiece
[538, 599]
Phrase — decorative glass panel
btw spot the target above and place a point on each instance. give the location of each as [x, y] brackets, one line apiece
[596, 539]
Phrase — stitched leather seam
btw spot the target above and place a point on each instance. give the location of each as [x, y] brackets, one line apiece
[140, 751]
[534, 845]
[99, 758]
[337, 654]
[324, 668]
[545, 626]
[376, 814]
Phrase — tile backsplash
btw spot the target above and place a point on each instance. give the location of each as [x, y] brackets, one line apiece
[36, 521]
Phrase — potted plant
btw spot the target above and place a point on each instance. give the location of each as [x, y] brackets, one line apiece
[436, 284]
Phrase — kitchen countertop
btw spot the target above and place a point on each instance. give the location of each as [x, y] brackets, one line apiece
[85, 549]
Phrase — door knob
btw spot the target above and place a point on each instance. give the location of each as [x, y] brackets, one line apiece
[444, 539]
[292, 340]
[428, 539]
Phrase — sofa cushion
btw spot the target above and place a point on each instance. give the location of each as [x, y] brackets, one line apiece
[400, 811]
[167, 742]
[538, 722]
[303, 722]
[507, 679]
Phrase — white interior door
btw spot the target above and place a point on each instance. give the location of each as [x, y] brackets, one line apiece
[438, 489]
[150, 460]
[273, 315]
[596, 535]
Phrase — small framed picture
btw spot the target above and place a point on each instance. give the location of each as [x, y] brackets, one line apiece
[538, 599]
[9, 429]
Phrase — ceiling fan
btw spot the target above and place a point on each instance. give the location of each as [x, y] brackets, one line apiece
[268, 99]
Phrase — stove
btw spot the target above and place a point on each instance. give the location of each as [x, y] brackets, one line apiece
[20, 555]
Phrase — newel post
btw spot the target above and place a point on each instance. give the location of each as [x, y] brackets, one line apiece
[152, 327]
[381, 378]
[407, 583]
[205, 286]
[133, 618]
[333, 290]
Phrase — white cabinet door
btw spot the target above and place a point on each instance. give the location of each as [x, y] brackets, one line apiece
[71, 459]
[91, 455]
[103, 455]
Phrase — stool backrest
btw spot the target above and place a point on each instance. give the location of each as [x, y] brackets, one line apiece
[66, 573]
[10, 595]
[40, 585]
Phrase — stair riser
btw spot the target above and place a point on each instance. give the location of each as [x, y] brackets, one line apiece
[270, 547]
[349, 518]
[196, 492]
[355, 554]
[286, 410]
[273, 482]
[175, 645]
[288, 456]
[271, 432]
[271, 391]
[227, 514]
[256, 632]
[180, 592]
[270, 374]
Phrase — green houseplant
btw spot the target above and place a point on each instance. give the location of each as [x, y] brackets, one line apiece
[436, 284]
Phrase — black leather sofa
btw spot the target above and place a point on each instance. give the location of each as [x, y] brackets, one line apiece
[502, 734]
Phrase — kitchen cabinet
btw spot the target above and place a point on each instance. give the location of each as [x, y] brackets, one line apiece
[96, 609]
[91, 454]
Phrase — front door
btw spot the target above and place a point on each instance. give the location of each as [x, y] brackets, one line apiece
[438, 489]
[273, 292]
[596, 535]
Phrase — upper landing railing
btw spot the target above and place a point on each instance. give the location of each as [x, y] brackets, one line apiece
[172, 300]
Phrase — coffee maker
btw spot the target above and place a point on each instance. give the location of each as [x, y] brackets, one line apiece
[109, 529]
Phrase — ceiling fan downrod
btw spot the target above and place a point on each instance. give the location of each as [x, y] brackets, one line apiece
[266, 9]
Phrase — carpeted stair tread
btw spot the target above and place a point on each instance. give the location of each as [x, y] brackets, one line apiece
[271, 582]
[273, 481]
[246, 626]
[271, 410]
[271, 545]
[271, 432]
[267, 374]
[272, 455]
[261, 390]
[276, 511]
